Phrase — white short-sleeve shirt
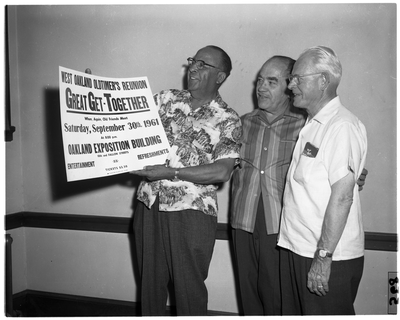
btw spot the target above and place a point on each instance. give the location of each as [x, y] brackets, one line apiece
[330, 145]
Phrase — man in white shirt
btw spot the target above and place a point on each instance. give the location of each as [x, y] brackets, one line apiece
[321, 227]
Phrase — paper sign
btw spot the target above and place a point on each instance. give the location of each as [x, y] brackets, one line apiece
[109, 125]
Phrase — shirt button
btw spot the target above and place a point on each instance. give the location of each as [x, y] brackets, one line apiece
[265, 148]
[262, 171]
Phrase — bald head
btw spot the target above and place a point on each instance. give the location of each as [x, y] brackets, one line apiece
[284, 63]
[225, 60]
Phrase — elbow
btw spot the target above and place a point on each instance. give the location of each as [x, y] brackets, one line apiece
[222, 170]
[347, 197]
[349, 201]
[226, 177]
[223, 176]
[346, 200]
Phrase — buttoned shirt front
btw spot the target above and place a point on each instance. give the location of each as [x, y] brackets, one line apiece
[331, 144]
[199, 137]
[265, 155]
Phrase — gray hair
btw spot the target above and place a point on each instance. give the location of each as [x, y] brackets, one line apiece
[325, 59]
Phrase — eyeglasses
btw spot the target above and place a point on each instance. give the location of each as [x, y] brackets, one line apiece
[199, 63]
[296, 77]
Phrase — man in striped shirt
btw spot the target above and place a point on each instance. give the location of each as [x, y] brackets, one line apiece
[269, 136]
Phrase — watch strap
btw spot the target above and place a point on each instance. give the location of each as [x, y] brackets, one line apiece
[322, 253]
[176, 175]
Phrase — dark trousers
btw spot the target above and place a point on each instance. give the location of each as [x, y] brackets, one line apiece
[173, 246]
[343, 285]
[257, 263]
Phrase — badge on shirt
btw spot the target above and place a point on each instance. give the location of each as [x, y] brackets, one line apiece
[310, 150]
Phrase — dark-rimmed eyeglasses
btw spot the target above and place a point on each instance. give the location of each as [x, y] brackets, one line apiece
[297, 77]
[199, 64]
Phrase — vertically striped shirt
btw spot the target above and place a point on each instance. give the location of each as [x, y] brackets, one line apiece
[265, 154]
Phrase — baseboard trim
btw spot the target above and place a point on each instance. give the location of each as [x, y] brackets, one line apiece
[32, 303]
[377, 241]
[69, 222]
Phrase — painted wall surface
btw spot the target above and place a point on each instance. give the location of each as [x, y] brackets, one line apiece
[154, 41]
[92, 263]
[100, 265]
[13, 150]
[373, 293]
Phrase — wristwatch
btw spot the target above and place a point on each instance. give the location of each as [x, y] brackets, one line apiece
[322, 253]
[176, 178]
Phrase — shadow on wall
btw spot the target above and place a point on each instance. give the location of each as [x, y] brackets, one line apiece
[60, 187]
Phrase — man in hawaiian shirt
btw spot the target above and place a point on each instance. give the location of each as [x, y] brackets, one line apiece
[175, 222]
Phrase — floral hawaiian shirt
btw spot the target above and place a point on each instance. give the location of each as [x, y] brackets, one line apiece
[206, 135]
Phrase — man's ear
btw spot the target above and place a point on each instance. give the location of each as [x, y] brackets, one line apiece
[221, 77]
[326, 80]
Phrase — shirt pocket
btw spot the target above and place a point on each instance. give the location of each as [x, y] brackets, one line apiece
[303, 169]
[248, 155]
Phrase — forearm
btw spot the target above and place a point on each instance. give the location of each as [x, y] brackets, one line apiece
[333, 225]
[219, 171]
[337, 213]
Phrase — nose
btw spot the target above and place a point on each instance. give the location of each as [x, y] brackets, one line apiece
[261, 85]
[292, 84]
[193, 68]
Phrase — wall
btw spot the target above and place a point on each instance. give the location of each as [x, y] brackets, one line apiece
[154, 41]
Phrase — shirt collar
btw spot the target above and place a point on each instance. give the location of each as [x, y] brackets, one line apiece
[328, 111]
[289, 112]
[217, 101]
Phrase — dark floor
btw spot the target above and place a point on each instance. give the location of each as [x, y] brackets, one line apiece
[38, 305]
[44, 304]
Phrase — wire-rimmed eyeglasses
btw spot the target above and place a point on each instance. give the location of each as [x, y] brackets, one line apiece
[296, 77]
[200, 64]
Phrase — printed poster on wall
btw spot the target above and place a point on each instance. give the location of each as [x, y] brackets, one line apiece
[109, 125]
